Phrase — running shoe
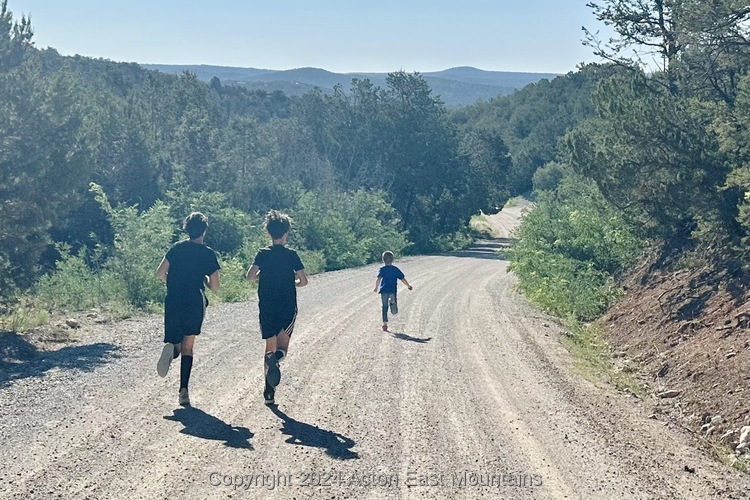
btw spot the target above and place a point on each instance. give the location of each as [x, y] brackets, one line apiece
[184, 399]
[268, 395]
[167, 355]
[273, 373]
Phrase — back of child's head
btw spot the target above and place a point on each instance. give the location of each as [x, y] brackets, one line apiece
[277, 224]
[387, 257]
[195, 225]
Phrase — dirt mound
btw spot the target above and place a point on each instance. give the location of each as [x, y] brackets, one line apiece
[685, 334]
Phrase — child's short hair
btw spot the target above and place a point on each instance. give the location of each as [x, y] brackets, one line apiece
[277, 224]
[387, 257]
[195, 224]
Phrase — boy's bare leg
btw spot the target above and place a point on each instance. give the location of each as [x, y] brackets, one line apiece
[282, 344]
[271, 345]
[278, 343]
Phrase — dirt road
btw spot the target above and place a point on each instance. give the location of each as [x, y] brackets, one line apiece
[471, 387]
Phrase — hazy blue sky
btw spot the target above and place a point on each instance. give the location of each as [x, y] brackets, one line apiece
[337, 35]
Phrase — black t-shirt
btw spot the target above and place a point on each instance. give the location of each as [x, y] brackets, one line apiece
[278, 266]
[189, 262]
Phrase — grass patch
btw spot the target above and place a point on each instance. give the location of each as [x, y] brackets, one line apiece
[480, 226]
[726, 456]
[23, 316]
[513, 202]
[593, 358]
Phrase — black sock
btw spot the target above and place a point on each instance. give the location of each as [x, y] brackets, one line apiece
[176, 352]
[280, 354]
[185, 368]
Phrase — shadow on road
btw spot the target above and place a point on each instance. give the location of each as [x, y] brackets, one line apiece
[335, 444]
[404, 336]
[19, 359]
[486, 249]
[200, 424]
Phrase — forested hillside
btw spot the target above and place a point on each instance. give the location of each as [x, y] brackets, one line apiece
[101, 160]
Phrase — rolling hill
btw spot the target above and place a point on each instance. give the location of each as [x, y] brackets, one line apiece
[459, 86]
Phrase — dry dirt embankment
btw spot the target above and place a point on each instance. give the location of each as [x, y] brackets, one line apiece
[470, 386]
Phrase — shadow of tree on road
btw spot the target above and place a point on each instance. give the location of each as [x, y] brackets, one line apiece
[486, 249]
[300, 433]
[200, 424]
[404, 336]
[19, 359]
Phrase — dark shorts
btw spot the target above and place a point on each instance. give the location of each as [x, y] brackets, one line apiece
[277, 318]
[183, 316]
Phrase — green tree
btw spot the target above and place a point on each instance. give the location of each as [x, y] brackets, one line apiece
[489, 165]
[44, 155]
[652, 155]
[701, 47]
[349, 229]
[734, 136]
[644, 28]
[421, 161]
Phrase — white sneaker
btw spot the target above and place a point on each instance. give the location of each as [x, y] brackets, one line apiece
[167, 355]
[184, 399]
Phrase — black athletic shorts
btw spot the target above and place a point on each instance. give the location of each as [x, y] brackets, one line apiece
[183, 316]
[277, 318]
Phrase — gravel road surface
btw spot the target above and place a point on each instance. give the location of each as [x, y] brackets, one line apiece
[469, 395]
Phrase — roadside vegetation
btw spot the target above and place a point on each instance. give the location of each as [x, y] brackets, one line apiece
[101, 161]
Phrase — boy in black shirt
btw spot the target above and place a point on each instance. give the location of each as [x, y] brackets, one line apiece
[186, 268]
[279, 272]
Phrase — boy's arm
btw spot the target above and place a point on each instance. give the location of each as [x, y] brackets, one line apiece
[403, 280]
[377, 283]
[213, 281]
[300, 278]
[252, 273]
[161, 271]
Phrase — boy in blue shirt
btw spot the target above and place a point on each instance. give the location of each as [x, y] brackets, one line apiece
[387, 283]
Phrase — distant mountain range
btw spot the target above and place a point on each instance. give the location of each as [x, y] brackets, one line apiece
[458, 86]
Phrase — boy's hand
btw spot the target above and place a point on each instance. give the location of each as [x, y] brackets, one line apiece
[376, 289]
[409, 287]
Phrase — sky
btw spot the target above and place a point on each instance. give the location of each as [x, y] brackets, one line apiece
[342, 36]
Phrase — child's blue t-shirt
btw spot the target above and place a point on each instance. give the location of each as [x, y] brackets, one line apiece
[389, 275]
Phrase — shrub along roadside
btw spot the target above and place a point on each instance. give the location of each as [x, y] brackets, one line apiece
[569, 250]
[568, 253]
[332, 232]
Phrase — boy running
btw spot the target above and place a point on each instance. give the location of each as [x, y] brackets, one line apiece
[279, 272]
[186, 268]
[387, 283]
